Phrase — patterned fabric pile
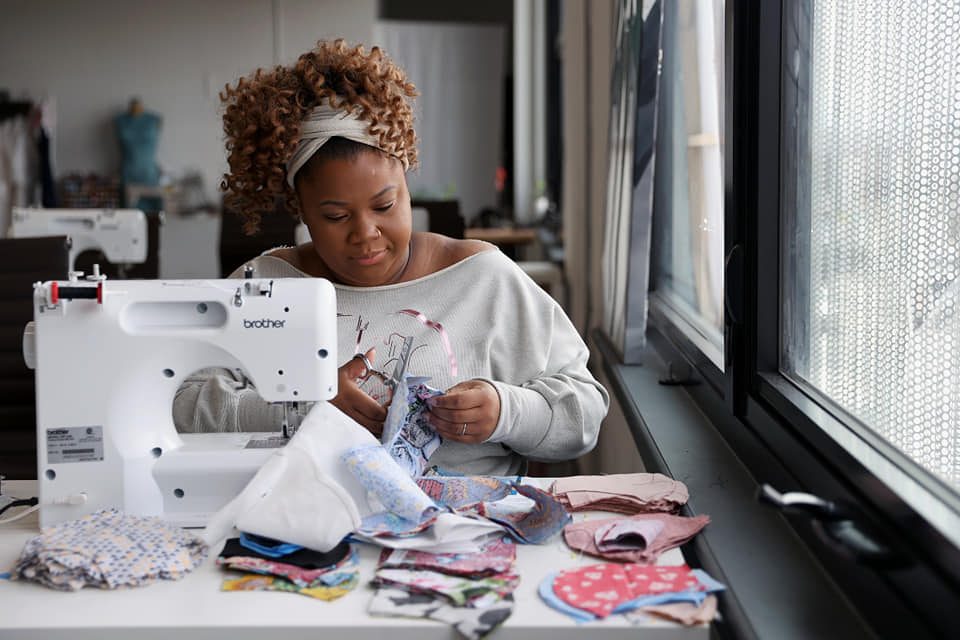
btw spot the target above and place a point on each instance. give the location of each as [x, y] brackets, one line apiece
[271, 566]
[471, 592]
[108, 549]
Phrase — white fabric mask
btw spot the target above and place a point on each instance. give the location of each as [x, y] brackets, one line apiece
[303, 494]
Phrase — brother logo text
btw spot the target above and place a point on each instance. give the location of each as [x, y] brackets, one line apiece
[266, 323]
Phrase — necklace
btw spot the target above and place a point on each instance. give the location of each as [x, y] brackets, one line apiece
[406, 263]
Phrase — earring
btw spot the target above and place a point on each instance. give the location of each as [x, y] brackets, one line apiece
[379, 233]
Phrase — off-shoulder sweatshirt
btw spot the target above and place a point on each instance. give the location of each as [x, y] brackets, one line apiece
[481, 318]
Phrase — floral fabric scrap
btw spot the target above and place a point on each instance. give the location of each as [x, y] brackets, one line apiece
[457, 492]
[254, 582]
[472, 592]
[545, 518]
[336, 574]
[496, 556]
[108, 549]
[384, 523]
[380, 475]
[470, 622]
[407, 434]
[459, 591]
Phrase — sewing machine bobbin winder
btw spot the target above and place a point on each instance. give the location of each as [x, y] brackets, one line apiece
[109, 357]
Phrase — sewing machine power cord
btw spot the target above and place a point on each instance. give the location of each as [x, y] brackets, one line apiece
[33, 503]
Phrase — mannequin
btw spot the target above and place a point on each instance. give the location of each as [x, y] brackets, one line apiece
[138, 132]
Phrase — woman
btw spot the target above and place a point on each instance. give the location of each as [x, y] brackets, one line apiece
[334, 135]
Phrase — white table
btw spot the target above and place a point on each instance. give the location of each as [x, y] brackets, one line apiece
[194, 607]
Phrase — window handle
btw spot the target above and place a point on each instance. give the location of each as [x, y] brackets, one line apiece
[805, 503]
[840, 525]
[733, 285]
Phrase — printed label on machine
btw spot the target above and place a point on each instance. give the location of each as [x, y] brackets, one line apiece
[269, 442]
[75, 444]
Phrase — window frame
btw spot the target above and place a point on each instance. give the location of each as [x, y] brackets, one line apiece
[760, 405]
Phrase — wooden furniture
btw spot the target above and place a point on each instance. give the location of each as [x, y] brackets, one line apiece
[502, 236]
[277, 229]
[444, 216]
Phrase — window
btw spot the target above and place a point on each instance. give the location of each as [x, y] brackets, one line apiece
[874, 300]
[687, 248]
[840, 305]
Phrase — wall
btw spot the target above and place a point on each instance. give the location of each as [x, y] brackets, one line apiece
[587, 45]
[458, 114]
[176, 55]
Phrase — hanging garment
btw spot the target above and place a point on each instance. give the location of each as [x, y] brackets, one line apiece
[16, 161]
[108, 549]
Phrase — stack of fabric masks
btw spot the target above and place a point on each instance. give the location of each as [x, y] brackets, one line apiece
[445, 555]
[471, 592]
[647, 529]
[272, 566]
[108, 549]
[334, 479]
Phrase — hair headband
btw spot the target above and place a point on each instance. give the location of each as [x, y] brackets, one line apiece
[324, 122]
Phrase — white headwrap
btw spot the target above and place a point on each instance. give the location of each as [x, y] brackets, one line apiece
[325, 122]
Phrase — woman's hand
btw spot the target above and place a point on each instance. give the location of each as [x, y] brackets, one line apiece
[467, 412]
[353, 401]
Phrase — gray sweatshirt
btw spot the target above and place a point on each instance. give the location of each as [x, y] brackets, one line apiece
[481, 318]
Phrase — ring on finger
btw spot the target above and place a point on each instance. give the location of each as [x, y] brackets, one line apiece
[463, 429]
[367, 365]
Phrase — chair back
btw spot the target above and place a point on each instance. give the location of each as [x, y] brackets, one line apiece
[277, 229]
[443, 217]
[23, 261]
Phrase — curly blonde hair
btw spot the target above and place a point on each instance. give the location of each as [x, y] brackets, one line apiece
[263, 112]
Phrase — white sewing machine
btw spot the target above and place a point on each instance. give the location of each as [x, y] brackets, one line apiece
[121, 234]
[109, 356]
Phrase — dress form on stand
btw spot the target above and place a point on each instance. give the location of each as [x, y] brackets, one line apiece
[138, 133]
